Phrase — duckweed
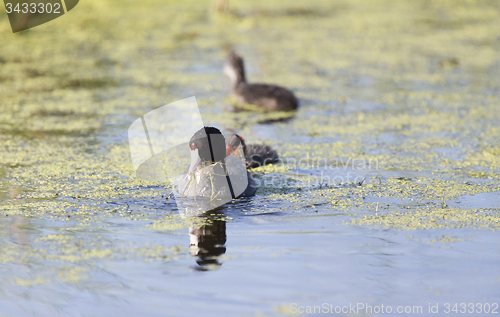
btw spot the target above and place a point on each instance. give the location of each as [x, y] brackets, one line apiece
[402, 94]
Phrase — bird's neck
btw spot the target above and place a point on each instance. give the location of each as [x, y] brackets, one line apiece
[236, 76]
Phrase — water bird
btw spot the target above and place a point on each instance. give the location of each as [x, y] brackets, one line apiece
[211, 174]
[254, 155]
[265, 97]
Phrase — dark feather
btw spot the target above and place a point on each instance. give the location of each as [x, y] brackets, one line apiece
[267, 97]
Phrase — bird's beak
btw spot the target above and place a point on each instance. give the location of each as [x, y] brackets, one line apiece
[195, 161]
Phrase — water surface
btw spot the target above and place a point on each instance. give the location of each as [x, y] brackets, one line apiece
[388, 193]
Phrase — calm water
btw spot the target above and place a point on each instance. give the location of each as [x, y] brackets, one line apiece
[388, 194]
[265, 263]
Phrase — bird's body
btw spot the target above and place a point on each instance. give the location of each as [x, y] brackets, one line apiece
[254, 155]
[266, 97]
[211, 174]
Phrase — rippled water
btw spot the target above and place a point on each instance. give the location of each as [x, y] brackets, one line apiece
[266, 263]
[388, 193]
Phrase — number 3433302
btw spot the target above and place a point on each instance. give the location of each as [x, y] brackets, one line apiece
[33, 7]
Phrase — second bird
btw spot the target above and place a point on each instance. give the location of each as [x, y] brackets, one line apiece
[254, 155]
[266, 97]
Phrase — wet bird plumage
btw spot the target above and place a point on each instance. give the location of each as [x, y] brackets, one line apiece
[209, 168]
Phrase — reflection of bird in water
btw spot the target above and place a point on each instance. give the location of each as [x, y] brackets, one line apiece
[265, 97]
[16, 231]
[207, 243]
[19, 233]
[211, 174]
[221, 5]
[254, 155]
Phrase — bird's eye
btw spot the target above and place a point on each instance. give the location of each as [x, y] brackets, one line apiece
[192, 146]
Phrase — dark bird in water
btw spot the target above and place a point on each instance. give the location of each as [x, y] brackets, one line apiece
[211, 173]
[255, 155]
[265, 97]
